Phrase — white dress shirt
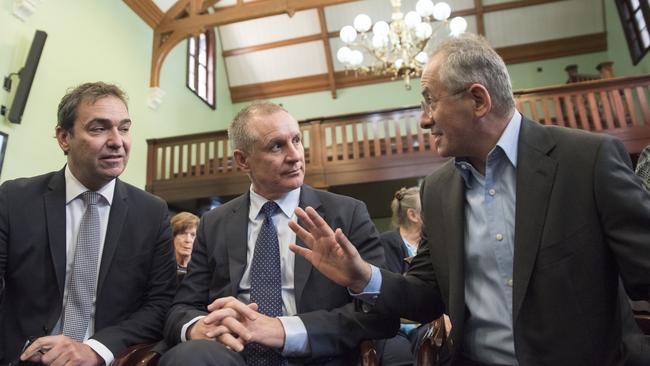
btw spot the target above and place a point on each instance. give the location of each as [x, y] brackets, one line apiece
[74, 211]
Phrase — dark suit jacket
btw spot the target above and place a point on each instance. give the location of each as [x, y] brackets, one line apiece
[395, 251]
[137, 271]
[327, 310]
[581, 219]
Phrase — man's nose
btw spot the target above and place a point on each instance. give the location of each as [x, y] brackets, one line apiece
[426, 122]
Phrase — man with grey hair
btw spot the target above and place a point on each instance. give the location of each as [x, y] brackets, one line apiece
[526, 229]
[86, 261]
[246, 298]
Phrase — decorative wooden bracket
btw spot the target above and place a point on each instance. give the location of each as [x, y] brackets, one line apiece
[191, 17]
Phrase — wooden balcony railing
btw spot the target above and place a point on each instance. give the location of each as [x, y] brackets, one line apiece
[388, 145]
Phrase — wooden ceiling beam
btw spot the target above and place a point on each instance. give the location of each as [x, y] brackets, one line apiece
[328, 51]
[247, 11]
[147, 10]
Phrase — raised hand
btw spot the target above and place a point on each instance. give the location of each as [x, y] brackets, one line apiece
[329, 251]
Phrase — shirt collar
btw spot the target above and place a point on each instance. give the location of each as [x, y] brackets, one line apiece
[73, 188]
[507, 143]
[288, 203]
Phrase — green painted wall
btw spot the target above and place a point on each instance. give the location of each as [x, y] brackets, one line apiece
[105, 40]
[88, 41]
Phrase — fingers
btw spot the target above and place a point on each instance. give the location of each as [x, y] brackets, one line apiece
[38, 348]
[232, 342]
[348, 248]
[301, 251]
[240, 309]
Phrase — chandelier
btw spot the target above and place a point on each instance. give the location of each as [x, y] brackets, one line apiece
[398, 48]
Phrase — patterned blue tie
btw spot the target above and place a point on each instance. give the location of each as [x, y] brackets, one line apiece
[83, 276]
[266, 285]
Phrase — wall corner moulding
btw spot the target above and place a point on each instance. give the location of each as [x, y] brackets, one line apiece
[23, 9]
[155, 97]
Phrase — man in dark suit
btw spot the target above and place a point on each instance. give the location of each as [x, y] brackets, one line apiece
[526, 230]
[126, 284]
[220, 299]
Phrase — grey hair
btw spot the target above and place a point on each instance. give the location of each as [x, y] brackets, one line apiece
[240, 136]
[469, 59]
[404, 199]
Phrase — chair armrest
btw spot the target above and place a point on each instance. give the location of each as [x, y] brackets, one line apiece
[138, 355]
[432, 342]
[368, 354]
[643, 320]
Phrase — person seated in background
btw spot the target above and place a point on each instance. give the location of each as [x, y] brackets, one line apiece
[86, 261]
[400, 245]
[246, 298]
[403, 242]
[184, 226]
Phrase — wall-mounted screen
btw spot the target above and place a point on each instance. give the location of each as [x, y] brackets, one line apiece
[3, 147]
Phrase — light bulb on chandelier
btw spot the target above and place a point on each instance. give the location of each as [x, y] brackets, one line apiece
[398, 48]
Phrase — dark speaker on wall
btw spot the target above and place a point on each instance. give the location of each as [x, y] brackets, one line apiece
[26, 75]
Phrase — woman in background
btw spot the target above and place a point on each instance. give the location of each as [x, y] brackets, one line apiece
[184, 227]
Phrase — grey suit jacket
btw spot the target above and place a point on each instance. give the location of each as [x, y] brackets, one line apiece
[327, 310]
[136, 276]
[582, 219]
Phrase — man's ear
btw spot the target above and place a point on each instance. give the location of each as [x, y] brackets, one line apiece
[241, 159]
[63, 137]
[482, 100]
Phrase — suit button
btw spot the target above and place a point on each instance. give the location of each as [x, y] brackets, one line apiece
[510, 282]
[499, 237]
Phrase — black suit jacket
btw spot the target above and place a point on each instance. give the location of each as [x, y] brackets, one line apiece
[395, 251]
[582, 219]
[137, 270]
[327, 310]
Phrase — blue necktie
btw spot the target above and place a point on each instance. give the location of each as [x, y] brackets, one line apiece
[266, 285]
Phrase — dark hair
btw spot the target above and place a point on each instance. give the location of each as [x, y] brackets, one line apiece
[91, 92]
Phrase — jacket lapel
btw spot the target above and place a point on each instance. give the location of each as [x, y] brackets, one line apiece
[535, 177]
[453, 217]
[237, 241]
[302, 268]
[55, 215]
[116, 218]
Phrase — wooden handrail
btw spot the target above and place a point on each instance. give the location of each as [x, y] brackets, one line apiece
[386, 145]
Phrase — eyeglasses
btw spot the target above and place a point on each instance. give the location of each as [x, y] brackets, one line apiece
[428, 107]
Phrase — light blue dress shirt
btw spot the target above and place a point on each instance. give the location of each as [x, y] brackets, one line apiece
[489, 252]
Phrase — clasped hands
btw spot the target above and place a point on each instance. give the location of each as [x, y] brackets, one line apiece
[235, 324]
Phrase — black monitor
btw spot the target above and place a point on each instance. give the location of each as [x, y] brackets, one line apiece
[26, 75]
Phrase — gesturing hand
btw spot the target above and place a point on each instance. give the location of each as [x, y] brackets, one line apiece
[61, 350]
[329, 251]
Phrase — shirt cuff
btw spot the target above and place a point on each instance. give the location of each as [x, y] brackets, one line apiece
[187, 326]
[101, 350]
[372, 290]
[296, 341]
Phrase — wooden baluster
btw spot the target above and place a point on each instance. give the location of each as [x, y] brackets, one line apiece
[595, 112]
[375, 138]
[226, 163]
[215, 157]
[582, 113]
[607, 111]
[519, 104]
[631, 107]
[188, 160]
[152, 164]
[559, 113]
[387, 142]
[643, 103]
[366, 141]
[355, 141]
[420, 132]
[163, 163]
[399, 146]
[197, 154]
[533, 110]
[344, 141]
[619, 110]
[547, 115]
[409, 134]
[335, 152]
[570, 110]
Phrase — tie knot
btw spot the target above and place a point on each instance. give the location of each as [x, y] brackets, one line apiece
[269, 209]
[90, 197]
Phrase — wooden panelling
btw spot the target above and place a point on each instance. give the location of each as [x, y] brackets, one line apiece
[554, 48]
[266, 46]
